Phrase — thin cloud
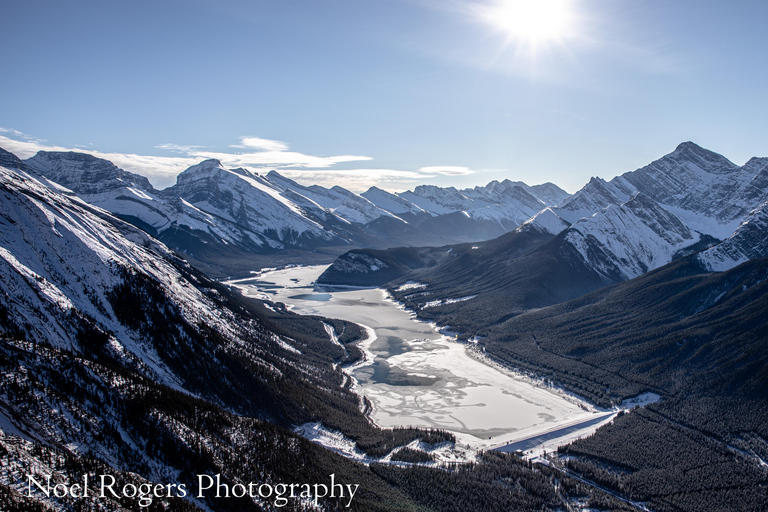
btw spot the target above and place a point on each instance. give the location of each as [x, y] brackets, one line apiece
[447, 170]
[17, 133]
[177, 148]
[276, 159]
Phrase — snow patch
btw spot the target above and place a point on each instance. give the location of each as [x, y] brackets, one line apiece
[444, 302]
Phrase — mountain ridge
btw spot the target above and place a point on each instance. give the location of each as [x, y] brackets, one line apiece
[231, 221]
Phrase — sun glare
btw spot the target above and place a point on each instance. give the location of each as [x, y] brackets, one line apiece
[532, 21]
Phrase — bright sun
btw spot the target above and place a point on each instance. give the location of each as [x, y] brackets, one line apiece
[532, 21]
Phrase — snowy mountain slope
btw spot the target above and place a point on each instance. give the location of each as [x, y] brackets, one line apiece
[67, 266]
[392, 203]
[475, 214]
[546, 221]
[622, 242]
[220, 218]
[437, 200]
[707, 191]
[506, 201]
[336, 200]
[593, 197]
[749, 241]
[549, 193]
[619, 232]
[686, 200]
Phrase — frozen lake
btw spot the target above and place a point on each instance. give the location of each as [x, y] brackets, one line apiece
[417, 376]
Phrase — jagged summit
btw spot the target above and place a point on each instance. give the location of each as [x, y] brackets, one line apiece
[706, 160]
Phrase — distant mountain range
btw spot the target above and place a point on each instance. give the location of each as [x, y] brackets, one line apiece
[231, 221]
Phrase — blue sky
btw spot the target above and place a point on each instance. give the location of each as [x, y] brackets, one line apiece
[388, 92]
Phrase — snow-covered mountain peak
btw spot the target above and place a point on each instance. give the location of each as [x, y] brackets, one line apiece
[593, 197]
[85, 174]
[681, 203]
[705, 159]
[67, 254]
[204, 169]
[624, 241]
[281, 181]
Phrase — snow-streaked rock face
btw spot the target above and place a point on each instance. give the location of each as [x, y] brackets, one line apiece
[640, 220]
[546, 221]
[749, 241]
[85, 174]
[622, 242]
[593, 197]
[118, 355]
[212, 204]
[336, 201]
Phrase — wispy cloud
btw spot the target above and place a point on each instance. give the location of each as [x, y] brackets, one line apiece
[177, 148]
[447, 170]
[17, 133]
[162, 170]
[276, 159]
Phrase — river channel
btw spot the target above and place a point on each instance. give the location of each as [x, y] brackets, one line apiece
[415, 375]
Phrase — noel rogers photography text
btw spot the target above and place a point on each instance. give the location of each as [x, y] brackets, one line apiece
[208, 486]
